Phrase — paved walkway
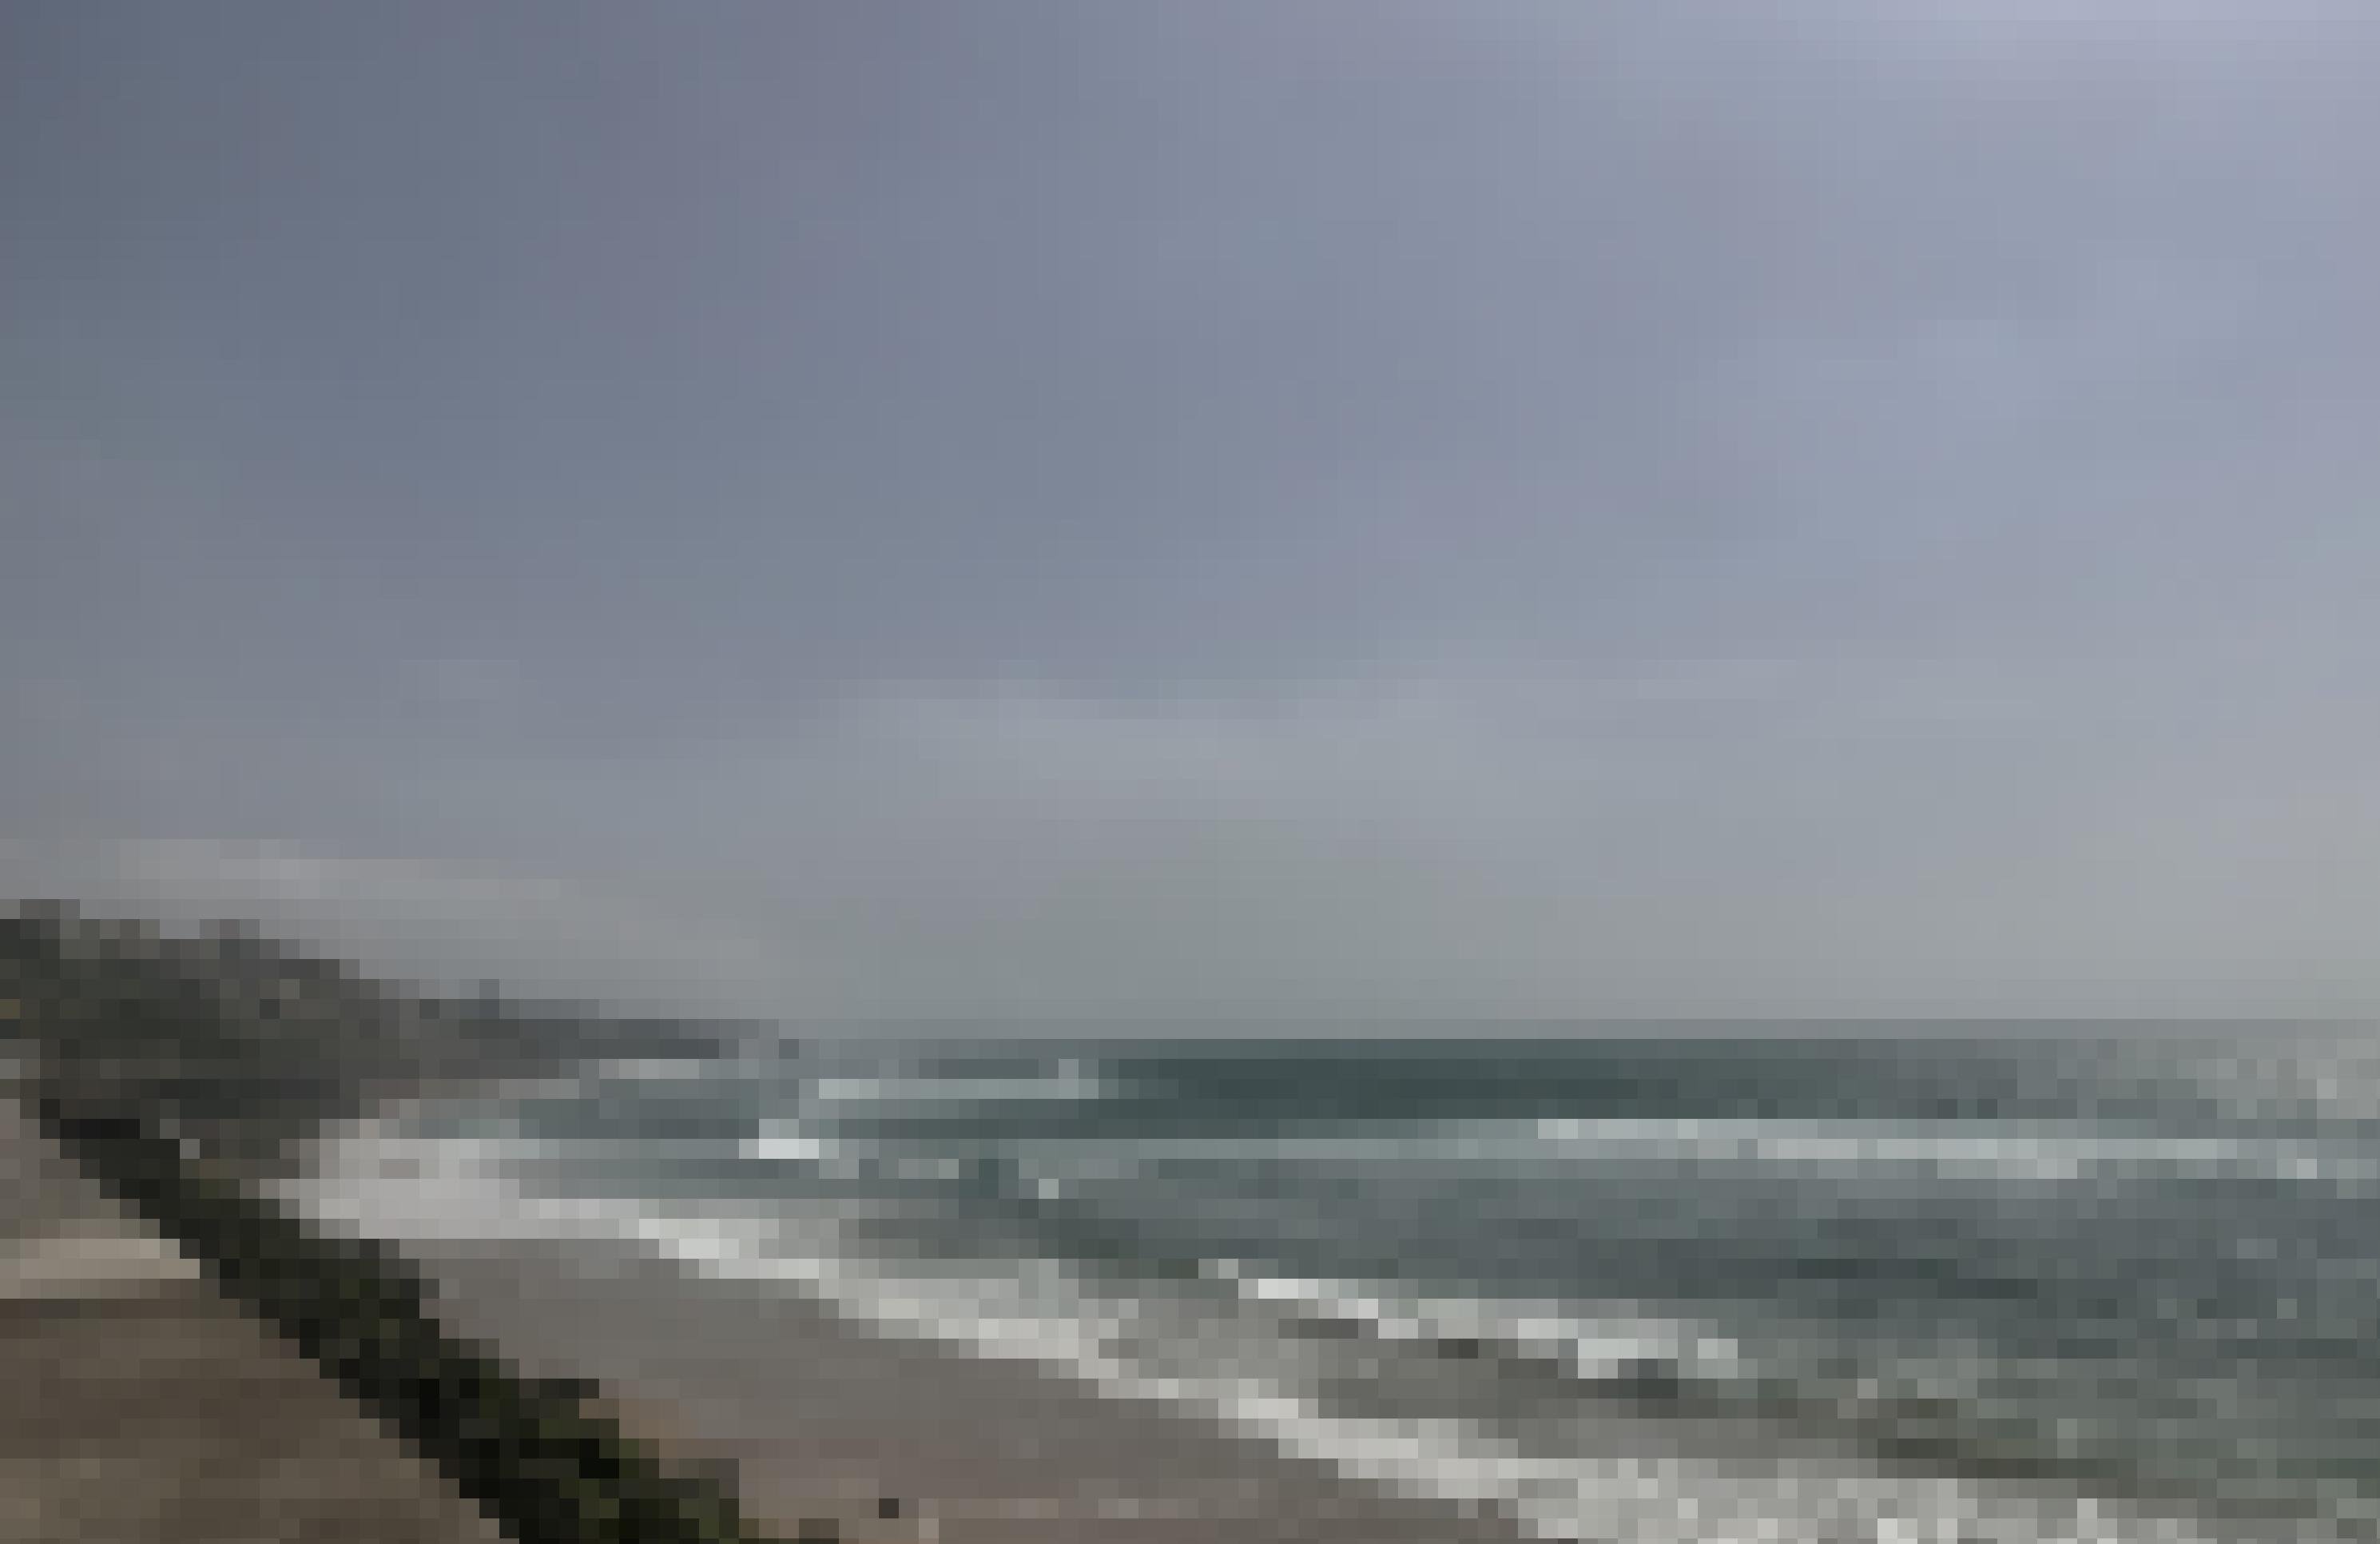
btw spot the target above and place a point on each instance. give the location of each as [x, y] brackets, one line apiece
[138, 1406]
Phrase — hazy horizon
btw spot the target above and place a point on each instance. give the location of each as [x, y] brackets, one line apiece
[1240, 513]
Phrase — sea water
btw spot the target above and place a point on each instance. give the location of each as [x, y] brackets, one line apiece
[1991, 1286]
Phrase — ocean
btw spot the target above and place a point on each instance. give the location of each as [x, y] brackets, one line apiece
[1990, 1286]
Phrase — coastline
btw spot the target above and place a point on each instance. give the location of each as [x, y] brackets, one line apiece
[804, 1412]
[807, 1410]
[810, 1412]
[810, 1417]
[807, 1416]
[802, 1402]
[167, 1411]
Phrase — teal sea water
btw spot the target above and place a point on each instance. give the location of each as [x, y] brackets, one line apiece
[2015, 1286]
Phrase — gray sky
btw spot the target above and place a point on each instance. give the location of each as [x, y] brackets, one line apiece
[1248, 509]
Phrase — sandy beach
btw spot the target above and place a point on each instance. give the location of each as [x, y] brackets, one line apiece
[816, 1418]
[812, 1412]
[142, 1406]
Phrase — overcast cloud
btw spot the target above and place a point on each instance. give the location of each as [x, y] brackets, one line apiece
[1235, 509]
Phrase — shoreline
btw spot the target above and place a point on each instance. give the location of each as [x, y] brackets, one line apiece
[813, 1406]
[805, 1408]
[804, 1411]
[801, 1400]
[808, 1414]
[807, 1418]
[792, 1403]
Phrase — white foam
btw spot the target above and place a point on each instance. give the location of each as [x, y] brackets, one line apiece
[1612, 1342]
[658, 1069]
[1631, 1483]
[785, 1142]
[1955, 1149]
[1069, 1081]
[1622, 1479]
